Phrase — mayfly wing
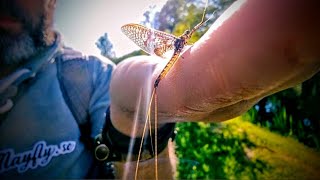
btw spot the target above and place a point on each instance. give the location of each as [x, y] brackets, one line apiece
[149, 40]
[156, 42]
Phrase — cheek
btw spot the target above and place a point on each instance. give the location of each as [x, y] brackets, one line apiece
[33, 9]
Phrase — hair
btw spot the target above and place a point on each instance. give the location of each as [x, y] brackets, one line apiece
[37, 36]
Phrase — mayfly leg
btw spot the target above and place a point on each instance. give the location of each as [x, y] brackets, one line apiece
[178, 48]
[178, 44]
[143, 134]
[201, 22]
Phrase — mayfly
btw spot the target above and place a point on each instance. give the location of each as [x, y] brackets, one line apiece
[157, 42]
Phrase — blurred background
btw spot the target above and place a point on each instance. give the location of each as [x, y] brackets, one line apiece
[277, 138]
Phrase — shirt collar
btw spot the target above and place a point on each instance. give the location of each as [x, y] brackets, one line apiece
[46, 56]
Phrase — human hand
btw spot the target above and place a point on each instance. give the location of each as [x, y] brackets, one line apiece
[256, 48]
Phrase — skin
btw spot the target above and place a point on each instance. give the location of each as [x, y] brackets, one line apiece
[256, 48]
[25, 30]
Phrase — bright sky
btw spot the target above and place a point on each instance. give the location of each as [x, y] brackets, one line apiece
[82, 22]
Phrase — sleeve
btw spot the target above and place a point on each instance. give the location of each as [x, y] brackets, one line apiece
[100, 98]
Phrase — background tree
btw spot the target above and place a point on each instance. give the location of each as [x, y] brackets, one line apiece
[106, 47]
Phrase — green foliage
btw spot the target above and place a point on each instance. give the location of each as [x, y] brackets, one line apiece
[237, 149]
[191, 19]
[293, 112]
[211, 151]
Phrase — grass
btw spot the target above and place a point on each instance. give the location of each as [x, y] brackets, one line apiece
[238, 149]
[286, 156]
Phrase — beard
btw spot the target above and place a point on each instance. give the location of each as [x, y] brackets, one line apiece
[15, 51]
[37, 34]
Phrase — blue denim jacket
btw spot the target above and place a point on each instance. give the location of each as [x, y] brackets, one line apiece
[40, 137]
